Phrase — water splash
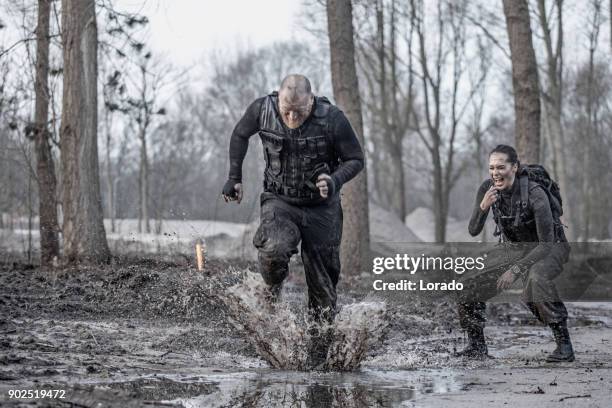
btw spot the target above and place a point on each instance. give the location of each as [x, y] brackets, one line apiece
[274, 330]
[357, 328]
[282, 337]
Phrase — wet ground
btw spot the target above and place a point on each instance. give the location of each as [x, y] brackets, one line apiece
[153, 333]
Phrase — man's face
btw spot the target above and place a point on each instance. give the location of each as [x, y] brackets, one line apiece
[294, 108]
[502, 171]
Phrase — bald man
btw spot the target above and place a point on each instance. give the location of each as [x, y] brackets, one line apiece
[310, 151]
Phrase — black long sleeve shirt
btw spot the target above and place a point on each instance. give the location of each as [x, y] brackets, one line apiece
[345, 143]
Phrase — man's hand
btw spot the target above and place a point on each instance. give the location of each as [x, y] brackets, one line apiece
[232, 191]
[325, 184]
[508, 278]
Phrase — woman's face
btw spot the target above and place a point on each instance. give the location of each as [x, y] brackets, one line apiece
[502, 172]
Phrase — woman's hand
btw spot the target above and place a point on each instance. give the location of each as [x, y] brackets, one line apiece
[489, 198]
[508, 278]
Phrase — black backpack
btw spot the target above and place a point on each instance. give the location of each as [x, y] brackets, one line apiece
[538, 174]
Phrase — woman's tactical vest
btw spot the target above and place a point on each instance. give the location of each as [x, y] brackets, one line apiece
[514, 219]
[295, 157]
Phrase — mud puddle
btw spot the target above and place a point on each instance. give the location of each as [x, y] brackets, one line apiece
[273, 388]
[280, 389]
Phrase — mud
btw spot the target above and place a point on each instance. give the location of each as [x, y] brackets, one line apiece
[153, 333]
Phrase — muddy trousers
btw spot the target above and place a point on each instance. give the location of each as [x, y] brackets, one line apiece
[319, 228]
[539, 291]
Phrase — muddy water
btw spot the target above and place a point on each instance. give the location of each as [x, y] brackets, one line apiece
[282, 336]
[291, 389]
[275, 388]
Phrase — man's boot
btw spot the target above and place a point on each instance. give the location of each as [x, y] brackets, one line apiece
[477, 346]
[564, 350]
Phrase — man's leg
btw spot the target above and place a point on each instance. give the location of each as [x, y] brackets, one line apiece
[276, 240]
[322, 269]
[541, 297]
[321, 236]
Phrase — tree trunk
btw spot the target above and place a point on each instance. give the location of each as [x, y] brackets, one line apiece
[144, 184]
[588, 184]
[83, 227]
[438, 197]
[45, 167]
[143, 180]
[110, 196]
[30, 213]
[400, 185]
[398, 126]
[356, 234]
[524, 81]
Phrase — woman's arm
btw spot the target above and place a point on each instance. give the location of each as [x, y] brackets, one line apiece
[479, 217]
[540, 205]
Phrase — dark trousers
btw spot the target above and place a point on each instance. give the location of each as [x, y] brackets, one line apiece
[539, 291]
[319, 228]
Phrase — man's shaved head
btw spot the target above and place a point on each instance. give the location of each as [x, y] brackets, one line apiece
[295, 85]
[295, 100]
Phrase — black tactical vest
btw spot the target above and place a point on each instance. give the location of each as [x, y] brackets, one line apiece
[294, 155]
[516, 224]
[515, 220]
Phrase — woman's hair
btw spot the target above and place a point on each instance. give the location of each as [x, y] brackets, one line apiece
[508, 151]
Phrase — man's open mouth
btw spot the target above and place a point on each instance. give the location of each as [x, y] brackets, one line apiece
[498, 181]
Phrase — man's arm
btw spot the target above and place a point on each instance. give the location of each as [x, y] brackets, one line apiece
[348, 149]
[239, 141]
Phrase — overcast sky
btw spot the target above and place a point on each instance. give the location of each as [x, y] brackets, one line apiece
[188, 30]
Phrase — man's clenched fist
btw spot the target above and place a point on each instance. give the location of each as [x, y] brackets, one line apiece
[326, 185]
[232, 191]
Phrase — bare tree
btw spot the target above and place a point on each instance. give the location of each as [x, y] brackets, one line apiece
[145, 106]
[47, 183]
[355, 243]
[389, 96]
[441, 116]
[84, 237]
[591, 136]
[552, 97]
[474, 125]
[524, 80]
[108, 91]
[123, 33]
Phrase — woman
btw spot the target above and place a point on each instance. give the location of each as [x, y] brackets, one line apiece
[537, 261]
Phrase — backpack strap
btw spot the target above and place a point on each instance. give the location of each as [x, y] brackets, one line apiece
[499, 231]
[524, 187]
